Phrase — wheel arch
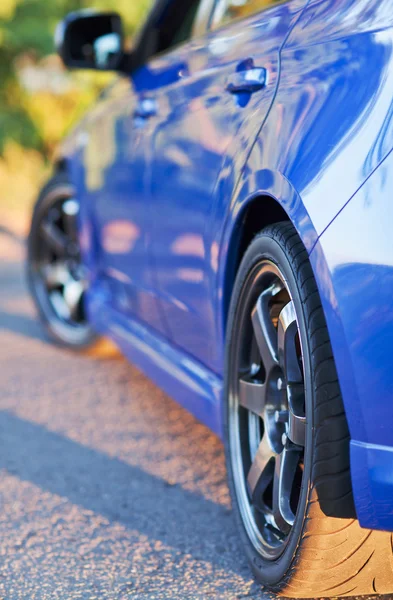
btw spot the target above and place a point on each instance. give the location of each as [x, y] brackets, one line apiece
[263, 198]
[273, 200]
[261, 211]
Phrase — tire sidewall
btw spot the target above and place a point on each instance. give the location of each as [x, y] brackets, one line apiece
[271, 572]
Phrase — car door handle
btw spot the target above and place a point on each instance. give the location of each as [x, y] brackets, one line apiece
[146, 108]
[248, 81]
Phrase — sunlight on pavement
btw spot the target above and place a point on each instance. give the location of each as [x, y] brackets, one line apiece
[107, 488]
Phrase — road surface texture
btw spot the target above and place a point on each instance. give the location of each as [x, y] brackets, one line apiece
[108, 489]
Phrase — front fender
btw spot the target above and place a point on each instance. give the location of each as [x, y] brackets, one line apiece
[255, 185]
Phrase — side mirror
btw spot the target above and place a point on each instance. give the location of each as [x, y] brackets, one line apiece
[89, 40]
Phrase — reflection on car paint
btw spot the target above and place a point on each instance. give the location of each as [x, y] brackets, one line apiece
[167, 196]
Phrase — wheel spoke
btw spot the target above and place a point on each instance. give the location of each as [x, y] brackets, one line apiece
[268, 408]
[264, 330]
[54, 237]
[261, 471]
[297, 422]
[72, 296]
[284, 475]
[252, 396]
[59, 305]
[287, 352]
[56, 274]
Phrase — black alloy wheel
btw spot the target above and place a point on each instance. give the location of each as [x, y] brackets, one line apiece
[267, 409]
[57, 277]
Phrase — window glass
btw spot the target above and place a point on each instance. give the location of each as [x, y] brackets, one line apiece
[184, 32]
[169, 24]
[229, 10]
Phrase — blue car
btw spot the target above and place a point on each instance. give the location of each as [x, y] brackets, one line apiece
[224, 213]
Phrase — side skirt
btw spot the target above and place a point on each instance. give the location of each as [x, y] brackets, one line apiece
[187, 381]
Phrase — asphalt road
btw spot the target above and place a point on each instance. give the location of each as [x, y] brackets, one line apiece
[108, 489]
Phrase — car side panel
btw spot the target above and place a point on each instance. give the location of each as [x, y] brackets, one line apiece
[199, 127]
[328, 128]
[323, 147]
[106, 162]
[353, 262]
[331, 123]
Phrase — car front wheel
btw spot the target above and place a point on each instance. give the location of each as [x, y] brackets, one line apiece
[55, 272]
[287, 439]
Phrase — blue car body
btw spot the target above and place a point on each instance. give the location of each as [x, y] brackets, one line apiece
[170, 167]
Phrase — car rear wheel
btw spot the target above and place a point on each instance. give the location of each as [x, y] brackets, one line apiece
[55, 272]
[287, 439]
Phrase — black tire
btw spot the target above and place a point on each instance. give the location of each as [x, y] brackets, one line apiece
[320, 556]
[76, 332]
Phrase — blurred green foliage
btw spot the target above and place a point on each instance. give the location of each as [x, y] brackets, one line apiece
[26, 30]
[39, 99]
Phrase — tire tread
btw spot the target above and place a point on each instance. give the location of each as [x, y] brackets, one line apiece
[362, 560]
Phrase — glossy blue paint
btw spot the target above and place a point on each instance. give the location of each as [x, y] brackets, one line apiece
[354, 264]
[200, 124]
[169, 161]
[330, 125]
[196, 387]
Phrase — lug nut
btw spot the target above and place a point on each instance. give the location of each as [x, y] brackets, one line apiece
[280, 384]
[284, 439]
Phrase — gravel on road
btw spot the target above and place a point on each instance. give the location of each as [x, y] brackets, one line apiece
[108, 489]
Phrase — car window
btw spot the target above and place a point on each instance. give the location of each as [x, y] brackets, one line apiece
[169, 24]
[227, 11]
[184, 32]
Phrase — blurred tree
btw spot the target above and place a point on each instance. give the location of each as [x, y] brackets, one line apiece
[39, 100]
[38, 119]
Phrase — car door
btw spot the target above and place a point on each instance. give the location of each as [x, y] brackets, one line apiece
[112, 186]
[112, 174]
[211, 111]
